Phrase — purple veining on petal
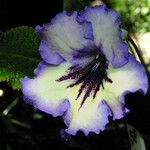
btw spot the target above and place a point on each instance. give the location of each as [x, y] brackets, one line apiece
[82, 57]
[87, 51]
[91, 77]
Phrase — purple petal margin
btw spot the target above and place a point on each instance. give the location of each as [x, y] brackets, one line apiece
[118, 55]
[36, 100]
[103, 109]
[53, 54]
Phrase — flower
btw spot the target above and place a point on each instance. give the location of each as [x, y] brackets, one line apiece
[86, 70]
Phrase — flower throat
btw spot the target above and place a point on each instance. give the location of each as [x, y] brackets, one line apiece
[91, 77]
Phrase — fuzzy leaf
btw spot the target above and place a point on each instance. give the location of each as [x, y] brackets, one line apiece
[18, 54]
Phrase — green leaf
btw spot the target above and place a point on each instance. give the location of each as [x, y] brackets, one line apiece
[71, 5]
[18, 54]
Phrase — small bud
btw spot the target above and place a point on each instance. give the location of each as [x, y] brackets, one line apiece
[97, 3]
[1, 92]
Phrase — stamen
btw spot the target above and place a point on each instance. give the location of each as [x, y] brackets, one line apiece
[91, 77]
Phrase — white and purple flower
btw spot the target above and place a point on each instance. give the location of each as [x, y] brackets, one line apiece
[86, 70]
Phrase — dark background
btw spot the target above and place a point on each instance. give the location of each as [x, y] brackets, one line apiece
[43, 132]
[27, 12]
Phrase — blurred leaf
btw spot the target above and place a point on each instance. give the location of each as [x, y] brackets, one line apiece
[70, 5]
[37, 116]
[8, 147]
[134, 14]
[18, 54]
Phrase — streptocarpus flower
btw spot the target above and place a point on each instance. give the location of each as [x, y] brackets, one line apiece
[86, 70]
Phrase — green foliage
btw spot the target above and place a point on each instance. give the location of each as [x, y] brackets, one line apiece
[135, 14]
[18, 54]
[70, 5]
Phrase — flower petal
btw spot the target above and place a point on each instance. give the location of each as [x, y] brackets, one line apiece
[91, 117]
[53, 97]
[62, 36]
[44, 92]
[124, 34]
[129, 78]
[107, 33]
